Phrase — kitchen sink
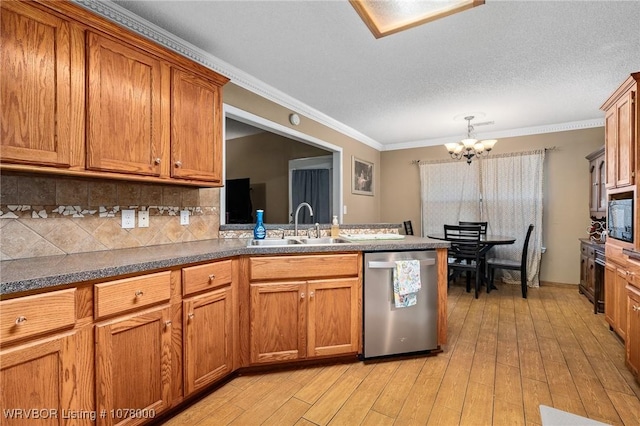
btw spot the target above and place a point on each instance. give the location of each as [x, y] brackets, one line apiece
[277, 242]
[324, 240]
[271, 242]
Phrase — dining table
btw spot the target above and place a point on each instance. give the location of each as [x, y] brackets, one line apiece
[487, 241]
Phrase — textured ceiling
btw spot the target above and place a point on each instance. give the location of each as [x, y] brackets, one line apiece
[523, 64]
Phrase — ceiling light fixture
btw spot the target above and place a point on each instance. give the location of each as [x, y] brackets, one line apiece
[470, 147]
[392, 16]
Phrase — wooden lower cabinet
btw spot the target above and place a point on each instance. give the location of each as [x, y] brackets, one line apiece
[133, 366]
[294, 320]
[48, 381]
[208, 338]
[278, 321]
[333, 323]
[615, 298]
[632, 343]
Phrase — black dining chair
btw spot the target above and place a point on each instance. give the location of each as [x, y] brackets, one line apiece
[408, 228]
[514, 265]
[465, 253]
[483, 226]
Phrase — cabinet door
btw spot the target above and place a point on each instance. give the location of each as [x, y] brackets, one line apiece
[196, 136]
[625, 146]
[42, 376]
[278, 321]
[207, 325]
[36, 71]
[133, 365]
[602, 191]
[583, 269]
[610, 306]
[590, 278]
[333, 317]
[632, 343]
[611, 144]
[593, 186]
[620, 300]
[123, 108]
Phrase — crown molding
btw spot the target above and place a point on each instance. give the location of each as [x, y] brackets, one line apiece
[525, 131]
[138, 25]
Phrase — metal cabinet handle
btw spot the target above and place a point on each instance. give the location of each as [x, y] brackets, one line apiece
[167, 324]
[212, 277]
[21, 319]
[311, 295]
[190, 315]
[157, 160]
[139, 293]
[636, 308]
[178, 163]
[301, 295]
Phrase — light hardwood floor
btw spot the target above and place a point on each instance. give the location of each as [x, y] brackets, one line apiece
[505, 357]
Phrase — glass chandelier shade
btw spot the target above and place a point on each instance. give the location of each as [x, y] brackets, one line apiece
[470, 147]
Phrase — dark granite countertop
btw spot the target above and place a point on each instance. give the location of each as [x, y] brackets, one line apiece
[593, 243]
[22, 275]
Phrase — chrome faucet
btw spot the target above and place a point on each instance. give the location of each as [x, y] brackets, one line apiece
[295, 220]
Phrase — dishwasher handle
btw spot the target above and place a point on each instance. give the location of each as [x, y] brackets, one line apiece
[391, 265]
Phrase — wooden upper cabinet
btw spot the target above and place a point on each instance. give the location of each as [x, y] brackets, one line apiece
[124, 120]
[39, 74]
[597, 190]
[82, 96]
[196, 128]
[620, 134]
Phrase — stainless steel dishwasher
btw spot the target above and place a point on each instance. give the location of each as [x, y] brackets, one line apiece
[393, 331]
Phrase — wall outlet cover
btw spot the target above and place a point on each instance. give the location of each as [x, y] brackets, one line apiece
[143, 219]
[128, 219]
[184, 217]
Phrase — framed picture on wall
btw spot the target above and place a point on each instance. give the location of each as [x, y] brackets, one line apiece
[361, 177]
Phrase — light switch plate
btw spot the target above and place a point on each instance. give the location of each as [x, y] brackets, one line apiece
[128, 219]
[184, 217]
[143, 219]
[344, 209]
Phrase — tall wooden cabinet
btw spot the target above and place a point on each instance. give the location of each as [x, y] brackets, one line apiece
[85, 97]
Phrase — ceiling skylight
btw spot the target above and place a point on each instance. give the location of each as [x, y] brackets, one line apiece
[384, 17]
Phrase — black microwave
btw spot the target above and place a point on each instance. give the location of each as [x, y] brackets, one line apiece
[620, 220]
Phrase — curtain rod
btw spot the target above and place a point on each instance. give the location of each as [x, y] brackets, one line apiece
[549, 148]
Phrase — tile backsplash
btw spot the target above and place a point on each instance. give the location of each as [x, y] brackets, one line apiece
[43, 215]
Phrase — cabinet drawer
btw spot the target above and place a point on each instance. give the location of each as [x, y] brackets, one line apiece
[33, 315]
[124, 295]
[315, 266]
[205, 277]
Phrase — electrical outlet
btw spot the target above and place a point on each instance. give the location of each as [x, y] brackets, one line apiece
[143, 219]
[128, 219]
[184, 217]
[344, 209]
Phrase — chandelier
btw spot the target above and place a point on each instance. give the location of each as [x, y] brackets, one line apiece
[470, 147]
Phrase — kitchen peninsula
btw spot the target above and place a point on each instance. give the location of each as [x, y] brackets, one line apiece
[196, 313]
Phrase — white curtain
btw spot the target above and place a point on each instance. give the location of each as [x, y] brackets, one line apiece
[512, 200]
[449, 193]
[504, 190]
